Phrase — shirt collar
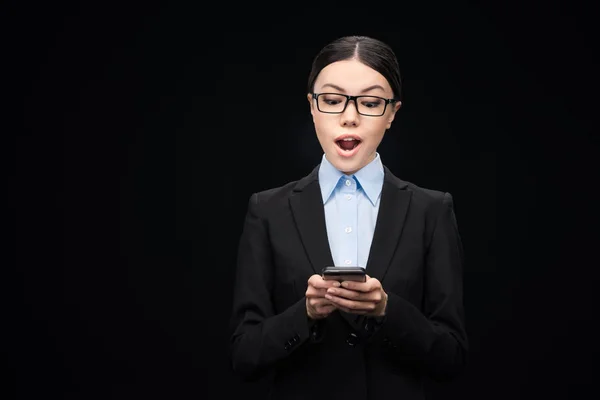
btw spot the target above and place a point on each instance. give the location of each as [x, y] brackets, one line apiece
[369, 178]
[329, 176]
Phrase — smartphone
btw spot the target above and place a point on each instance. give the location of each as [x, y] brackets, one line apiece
[357, 274]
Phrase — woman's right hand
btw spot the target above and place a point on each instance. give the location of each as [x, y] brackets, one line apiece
[317, 306]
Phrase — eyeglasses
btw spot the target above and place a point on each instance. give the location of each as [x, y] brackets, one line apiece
[336, 103]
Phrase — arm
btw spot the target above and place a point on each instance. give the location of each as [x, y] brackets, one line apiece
[260, 337]
[434, 341]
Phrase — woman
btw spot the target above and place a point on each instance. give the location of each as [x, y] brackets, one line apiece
[376, 339]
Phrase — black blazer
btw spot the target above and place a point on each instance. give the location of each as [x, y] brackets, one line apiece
[416, 253]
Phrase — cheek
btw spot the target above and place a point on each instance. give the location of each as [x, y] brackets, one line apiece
[382, 124]
[323, 126]
[322, 136]
[376, 129]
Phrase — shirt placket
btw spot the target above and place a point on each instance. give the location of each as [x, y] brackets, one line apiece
[348, 213]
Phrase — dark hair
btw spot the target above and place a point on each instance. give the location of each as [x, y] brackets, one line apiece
[369, 51]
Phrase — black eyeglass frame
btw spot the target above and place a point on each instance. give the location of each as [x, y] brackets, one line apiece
[353, 98]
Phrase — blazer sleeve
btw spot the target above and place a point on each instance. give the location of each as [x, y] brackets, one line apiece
[261, 338]
[434, 340]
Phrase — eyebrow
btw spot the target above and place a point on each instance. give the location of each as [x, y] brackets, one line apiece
[336, 87]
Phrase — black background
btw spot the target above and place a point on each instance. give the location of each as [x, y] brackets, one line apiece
[143, 131]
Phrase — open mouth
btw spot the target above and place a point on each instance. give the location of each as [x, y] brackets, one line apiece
[347, 144]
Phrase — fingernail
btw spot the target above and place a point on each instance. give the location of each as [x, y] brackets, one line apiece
[331, 290]
[328, 297]
[336, 284]
[345, 284]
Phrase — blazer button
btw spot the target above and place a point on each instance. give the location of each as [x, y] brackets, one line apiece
[352, 340]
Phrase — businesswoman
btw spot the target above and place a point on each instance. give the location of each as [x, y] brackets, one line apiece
[377, 339]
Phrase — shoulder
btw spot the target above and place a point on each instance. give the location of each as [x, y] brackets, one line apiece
[421, 197]
[274, 195]
[277, 197]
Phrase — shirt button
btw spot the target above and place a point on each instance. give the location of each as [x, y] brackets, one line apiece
[348, 196]
[348, 183]
[348, 229]
[348, 262]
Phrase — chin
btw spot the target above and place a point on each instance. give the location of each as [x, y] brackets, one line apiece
[346, 166]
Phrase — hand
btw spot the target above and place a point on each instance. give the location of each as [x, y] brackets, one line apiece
[317, 306]
[365, 298]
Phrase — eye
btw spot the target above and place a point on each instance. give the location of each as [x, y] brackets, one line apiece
[332, 100]
[374, 103]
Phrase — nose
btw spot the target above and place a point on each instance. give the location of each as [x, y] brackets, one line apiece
[350, 116]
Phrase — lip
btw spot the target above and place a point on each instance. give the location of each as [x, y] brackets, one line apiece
[344, 153]
[346, 136]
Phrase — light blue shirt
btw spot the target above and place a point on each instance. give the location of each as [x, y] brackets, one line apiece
[351, 205]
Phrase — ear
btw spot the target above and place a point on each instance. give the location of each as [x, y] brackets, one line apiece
[392, 115]
[311, 103]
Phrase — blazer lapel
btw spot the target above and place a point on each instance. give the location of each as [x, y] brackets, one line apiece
[395, 200]
[307, 208]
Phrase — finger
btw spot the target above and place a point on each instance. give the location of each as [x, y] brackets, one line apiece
[325, 284]
[313, 279]
[318, 282]
[322, 307]
[370, 285]
[347, 294]
[318, 302]
[325, 308]
[374, 296]
[366, 306]
[313, 292]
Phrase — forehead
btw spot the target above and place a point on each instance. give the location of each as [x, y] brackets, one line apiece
[352, 75]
